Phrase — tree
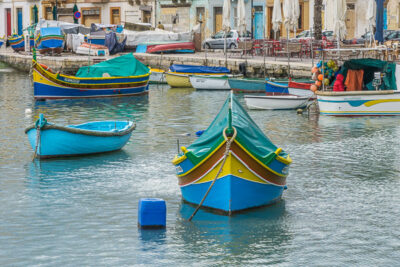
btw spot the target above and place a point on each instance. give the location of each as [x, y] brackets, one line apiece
[317, 19]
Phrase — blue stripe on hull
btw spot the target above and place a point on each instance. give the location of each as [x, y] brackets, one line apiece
[43, 90]
[278, 88]
[231, 193]
[50, 43]
[119, 80]
[56, 142]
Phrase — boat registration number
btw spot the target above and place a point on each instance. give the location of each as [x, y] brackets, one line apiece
[71, 80]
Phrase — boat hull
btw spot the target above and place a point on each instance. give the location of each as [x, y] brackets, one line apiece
[53, 86]
[276, 102]
[292, 88]
[50, 45]
[231, 194]
[60, 142]
[359, 103]
[247, 85]
[209, 83]
[242, 184]
[170, 47]
[17, 43]
[178, 80]
[157, 76]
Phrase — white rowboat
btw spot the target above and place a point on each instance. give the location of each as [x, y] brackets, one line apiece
[200, 82]
[276, 102]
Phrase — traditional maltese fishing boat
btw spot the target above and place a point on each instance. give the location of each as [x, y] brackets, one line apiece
[232, 166]
[51, 140]
[179, 75]
[17, 42]
[363, 87]
[50, 40]
[120, 76]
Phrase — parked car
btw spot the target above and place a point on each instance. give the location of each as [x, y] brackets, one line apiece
[366, 37]
[232, 38]
[328, 35]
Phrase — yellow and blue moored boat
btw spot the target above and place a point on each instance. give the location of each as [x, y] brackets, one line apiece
[120, 76]
[178, 75]
[235, 161]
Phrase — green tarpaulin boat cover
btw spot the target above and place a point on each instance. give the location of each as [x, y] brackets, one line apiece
[249, 134]
[370, 66]
[123, 66]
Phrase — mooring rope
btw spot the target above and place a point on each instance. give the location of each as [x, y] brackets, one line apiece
[40, 123]
[227, 150]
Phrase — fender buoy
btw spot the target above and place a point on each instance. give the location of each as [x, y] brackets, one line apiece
[46, 68]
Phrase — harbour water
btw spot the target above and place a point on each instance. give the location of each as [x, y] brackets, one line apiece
[341, 208]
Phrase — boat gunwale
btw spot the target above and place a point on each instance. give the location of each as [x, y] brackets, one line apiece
[187, 74]
[278, 97]
[286, 161]
[35, 63]
[83, 131]
[356, 93]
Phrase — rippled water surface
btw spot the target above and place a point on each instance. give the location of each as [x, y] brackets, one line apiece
[342, 206]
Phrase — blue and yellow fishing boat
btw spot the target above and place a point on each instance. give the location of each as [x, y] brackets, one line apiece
[17, 42]
[178, 75]
[51, 140]
[120, 76]
[50, 40]
[234, 162]
[2, 39]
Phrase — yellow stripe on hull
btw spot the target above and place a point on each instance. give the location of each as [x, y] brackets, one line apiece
[232, 166]
[38, 78]
[182, 81]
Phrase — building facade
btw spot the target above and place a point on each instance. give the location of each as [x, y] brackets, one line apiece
[16, 15]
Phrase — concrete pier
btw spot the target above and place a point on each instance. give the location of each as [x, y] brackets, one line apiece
[69, 63]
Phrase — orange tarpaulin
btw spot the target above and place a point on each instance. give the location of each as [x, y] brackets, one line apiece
[354, 80]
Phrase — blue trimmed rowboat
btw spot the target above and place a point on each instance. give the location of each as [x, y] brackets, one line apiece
[17, 42]
[51, 140]
[121, 76]
[1, 41]
[290, 87]
[235, 161]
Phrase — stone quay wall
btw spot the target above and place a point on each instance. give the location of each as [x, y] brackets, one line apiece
[70, 63]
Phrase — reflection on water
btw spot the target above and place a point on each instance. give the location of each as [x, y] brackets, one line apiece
[339, 209]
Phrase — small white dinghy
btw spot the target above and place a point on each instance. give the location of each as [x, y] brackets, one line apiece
[276, 101]
[200, 82]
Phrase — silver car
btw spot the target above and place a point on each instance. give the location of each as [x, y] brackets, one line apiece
[217, 40]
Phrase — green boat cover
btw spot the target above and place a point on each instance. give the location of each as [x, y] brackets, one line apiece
[122, 66]
[249, 134]
[370, 66]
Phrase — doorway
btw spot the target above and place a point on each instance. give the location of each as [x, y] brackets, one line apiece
[217, 19]
[350, 21]
[8, 21]
[115, 14]
[258, 22]
[19, 21]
